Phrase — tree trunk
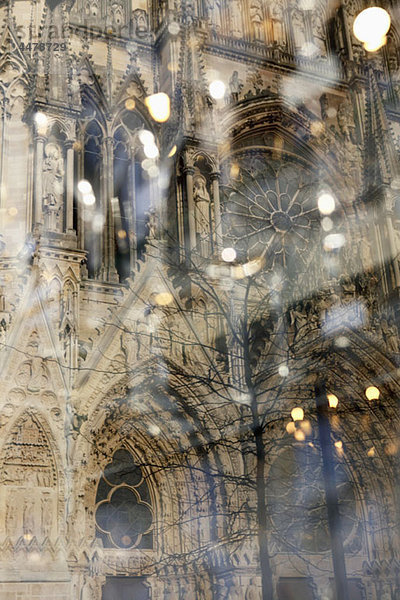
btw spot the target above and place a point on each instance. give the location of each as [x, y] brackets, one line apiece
[265, 566]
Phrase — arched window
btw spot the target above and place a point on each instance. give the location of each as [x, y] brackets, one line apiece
[124, 515]
[132, 189]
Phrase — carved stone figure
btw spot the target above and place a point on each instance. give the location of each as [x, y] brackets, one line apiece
[236, 18]
[252, 592]
[28, 517]
[213, 13]
[256, 18]
[235, 86]
[141, 23]
[11, 518]
[201, 198]
[345, 120]
[53, 186]
[33, 373]
[277, 26]
[46, 515]
[298, 29]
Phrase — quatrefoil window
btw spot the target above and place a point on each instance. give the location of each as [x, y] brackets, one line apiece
[124, 517]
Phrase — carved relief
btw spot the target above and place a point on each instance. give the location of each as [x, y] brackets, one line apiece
[33, 373]
[53, 187]
[27, 458]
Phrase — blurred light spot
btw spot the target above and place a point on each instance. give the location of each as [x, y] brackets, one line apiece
[372, 393]
[228, 254]
[283, 371]
[333, 400]
[326, 204]
[342, 342]
[306, 4]
[371, 27]
[164, 298]
[172, 151]
[130, 104]
[392, 448]
[174, 28]
[77, 146]
[146, 137]
[299, 435]
[154, 429]
[151, 150]
[253, 266]
[34, 557]
[154, 171]
[339, 444]
[159, 106]
[331, 112]
[371, 452]
[316, 127]
[306, 427]
[121, 234]
[84, 186]
[327, 224]
[41, 122]
[309, 50]
[297, 414]
[13, 211]
[98, 223]
[291, 427]
[235, 171]
[217, 89]
[334, 241]
[28, 537]
[147, 163]
[126, 540]
[89, 199]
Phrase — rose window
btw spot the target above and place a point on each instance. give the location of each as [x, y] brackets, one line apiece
[270, 210]
[123, 508]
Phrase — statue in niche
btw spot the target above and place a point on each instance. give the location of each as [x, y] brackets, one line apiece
[201, 199]
[390, 336]
[236, 18]
[28, 518]
[235, 86]
[213, 13]
[256, 18]
[53, 186]
[46, 515]
[324, 104]
[346, 121]
[298, 29]
[204, 588]
[319, 34]
[277, 26]
[33, 373]
[11, 516]
[252, 592]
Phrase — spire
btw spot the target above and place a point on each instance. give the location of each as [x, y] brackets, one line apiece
[381, 161]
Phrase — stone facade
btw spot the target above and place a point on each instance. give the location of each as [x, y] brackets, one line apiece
[118, 373]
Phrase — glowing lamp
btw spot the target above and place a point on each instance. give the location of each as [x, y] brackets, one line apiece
[333, 400]
[297, 414]
[372, 393]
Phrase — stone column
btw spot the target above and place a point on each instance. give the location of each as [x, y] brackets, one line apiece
[110, 272]
[39, 151]
[69, 201]
[217, 209]
[189, 171]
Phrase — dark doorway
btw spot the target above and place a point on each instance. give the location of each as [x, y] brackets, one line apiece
[295, 588]
[125, 588]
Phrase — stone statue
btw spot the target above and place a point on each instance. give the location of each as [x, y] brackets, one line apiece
[235, 86]
[213, 13]
[346, 121]
[252, 592]
[53, 187]
[33, 373]
[278, 32]
[298, 29]
[201, 198]
[28, 518]
[236, 18]
[11, 516]
[256, 18]
[46, 515]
